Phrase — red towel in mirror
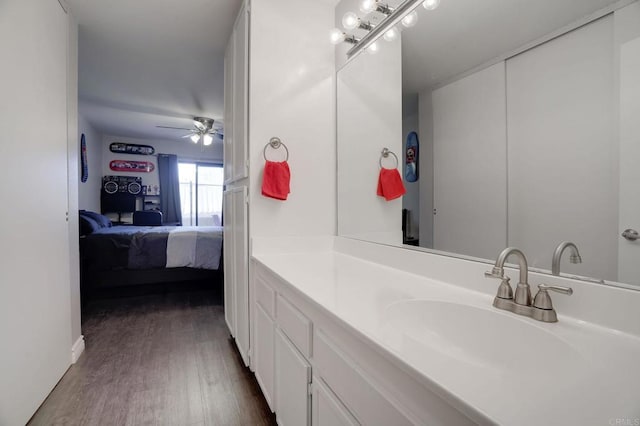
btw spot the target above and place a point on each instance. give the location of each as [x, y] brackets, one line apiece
[275, 181]
[390, 184]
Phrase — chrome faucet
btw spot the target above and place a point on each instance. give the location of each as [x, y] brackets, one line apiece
[557, 256]
[542, 308]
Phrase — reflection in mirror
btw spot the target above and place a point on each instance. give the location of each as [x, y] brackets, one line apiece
[527, 119]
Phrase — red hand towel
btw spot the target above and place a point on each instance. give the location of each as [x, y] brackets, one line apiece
[275, 182]
[390, 184]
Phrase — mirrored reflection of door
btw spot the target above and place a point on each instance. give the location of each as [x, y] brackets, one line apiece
[469, 151]
[629, 251]
[201, 194]
[562, 150]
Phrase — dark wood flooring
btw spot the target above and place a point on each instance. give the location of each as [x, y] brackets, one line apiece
[156, 360]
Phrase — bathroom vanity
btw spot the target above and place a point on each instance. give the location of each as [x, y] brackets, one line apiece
[348, 332]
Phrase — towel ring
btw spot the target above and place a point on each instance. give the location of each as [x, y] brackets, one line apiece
[385, 154]
[275, 143]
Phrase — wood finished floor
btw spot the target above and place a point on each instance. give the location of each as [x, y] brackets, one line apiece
[156, 360]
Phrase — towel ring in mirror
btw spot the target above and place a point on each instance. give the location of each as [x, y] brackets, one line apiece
[385, 154]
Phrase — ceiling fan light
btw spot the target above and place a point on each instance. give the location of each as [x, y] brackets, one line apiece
[208, 139]
[195, 138]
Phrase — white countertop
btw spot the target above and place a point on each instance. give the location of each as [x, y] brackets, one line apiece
[594, 379]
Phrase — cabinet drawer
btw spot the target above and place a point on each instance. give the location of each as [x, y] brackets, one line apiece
[355, 390]
[295, 325]
[265, 297]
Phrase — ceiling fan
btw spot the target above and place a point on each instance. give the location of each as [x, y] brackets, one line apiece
[203, 129]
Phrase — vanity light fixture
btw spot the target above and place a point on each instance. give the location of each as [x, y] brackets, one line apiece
[373, 48]
[391, 34]
[431, 4]
[369, 6]
[337, 36]
[350, 21]
[394, 17]
[410, 20]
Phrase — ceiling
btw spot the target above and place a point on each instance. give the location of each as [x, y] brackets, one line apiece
[463, 34]
[145, 63]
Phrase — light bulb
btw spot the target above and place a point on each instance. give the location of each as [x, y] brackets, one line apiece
[336, 36]
[350, 21]
[208, 139]
[368, 6]
[195, 138]
[391, 34]
[431, 4]
[410, 20]
[373, 48]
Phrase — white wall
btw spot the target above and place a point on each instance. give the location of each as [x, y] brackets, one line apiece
[89, 191]
[369, 92]
[291, 97]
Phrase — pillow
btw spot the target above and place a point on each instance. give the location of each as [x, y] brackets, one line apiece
[87, 225]
[101, 220]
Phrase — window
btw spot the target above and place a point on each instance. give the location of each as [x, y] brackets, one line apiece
[201, 193]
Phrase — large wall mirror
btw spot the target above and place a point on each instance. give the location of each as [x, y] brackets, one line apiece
[528, 120]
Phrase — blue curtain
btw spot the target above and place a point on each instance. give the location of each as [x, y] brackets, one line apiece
[169, 188]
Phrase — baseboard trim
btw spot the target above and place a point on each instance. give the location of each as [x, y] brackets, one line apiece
[77, 349]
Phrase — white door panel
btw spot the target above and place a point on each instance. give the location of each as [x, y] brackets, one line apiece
[35, 313]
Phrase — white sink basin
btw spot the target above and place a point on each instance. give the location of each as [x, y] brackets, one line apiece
[487, 338]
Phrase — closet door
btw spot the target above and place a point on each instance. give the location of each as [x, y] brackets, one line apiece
[562, 152]
[35, 312]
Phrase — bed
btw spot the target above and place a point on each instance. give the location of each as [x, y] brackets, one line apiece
[125, 255]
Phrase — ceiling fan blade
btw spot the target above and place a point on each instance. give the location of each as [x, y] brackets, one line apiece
[188, 136]
[175, 128]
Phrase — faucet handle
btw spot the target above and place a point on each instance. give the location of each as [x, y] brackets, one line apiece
[496, 272]
[543, 300]
[504, 291]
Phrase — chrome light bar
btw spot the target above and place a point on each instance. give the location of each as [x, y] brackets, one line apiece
[394, 18]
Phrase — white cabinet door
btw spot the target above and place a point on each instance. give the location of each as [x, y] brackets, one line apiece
[228, 110]
[236, 272]
[327, 408]
[293, 375]
[228, 256]
[241, 269]
[240, 95]
[263, 353]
